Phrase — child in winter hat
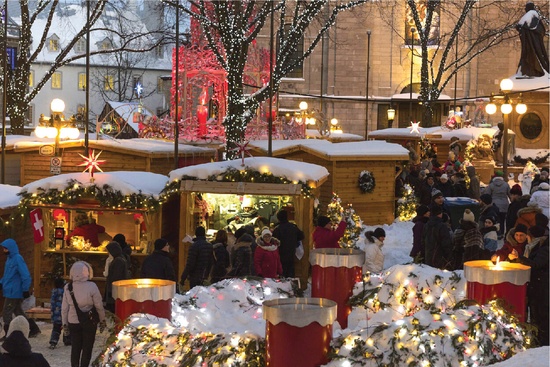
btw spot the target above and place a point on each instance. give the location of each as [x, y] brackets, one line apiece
[468, 216]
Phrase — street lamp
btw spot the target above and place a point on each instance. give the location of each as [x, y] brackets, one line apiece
[334, 127]
[411, 83]
[56, 126]
[367, 87]
[391, 116]
[506, 86]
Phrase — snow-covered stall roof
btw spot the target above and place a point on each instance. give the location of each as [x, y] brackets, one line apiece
[8, 196]
[437, 133]
[357, 150]
[291, 170]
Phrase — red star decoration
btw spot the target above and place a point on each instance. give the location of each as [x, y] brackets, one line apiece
[91, 162]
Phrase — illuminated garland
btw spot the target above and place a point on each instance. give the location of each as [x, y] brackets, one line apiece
[246, 174]
[406, 204]
[367, 183]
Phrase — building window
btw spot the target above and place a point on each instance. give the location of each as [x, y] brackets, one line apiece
[31, 79]
[30, 115]
[159, 52]
[53, 43]
[109, 83]
[56, 80]
[106, 44]
[81, 81]
[80, 46]
[530, 126]
[298, 71]
[160, 85]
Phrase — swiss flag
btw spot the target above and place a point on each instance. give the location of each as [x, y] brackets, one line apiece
[37, 225]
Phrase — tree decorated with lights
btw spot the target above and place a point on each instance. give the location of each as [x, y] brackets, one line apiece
[47, 13]
[406, 204]
[354, 225]
[231, 27]
[474, 27]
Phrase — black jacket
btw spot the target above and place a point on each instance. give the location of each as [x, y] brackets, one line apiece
[118, 270]
[242, 257]
[19, 353]
[199, 261]
[221, 262]
[513, 208]
[289, 235]
[158, 265]
[436, 239]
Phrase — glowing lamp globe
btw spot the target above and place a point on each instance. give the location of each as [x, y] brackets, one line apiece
[51, 132]
[491, 108]
[506, 108]
[40, 131]
[57, 105]
[521, 108]
[71, 133]
[303, 105]
[334, 121]
[506, 85]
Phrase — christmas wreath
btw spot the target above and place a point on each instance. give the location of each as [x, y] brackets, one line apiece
[366, 181]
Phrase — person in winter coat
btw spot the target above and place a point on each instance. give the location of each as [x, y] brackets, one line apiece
[56, 300]
[374, 258]
[158, 265]
[487, 209]
[500, 192]
[118, 270]
[18, 349]
[517, 201]
[87, 296]
[527, 216]
[514, 244]
[537, 256]
[290, 236]
[221, 257]
[126, 251]
[541, 198]
[474, 191]
[445, 186]
[267, 261]
[436, 240]
[242, 257]
[422, 216]
[324, 236]
[490, 234]
[468, 242]
[426, 188]
[15, 284]
[199, 260]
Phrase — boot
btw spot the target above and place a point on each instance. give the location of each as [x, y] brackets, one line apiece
[34, 329]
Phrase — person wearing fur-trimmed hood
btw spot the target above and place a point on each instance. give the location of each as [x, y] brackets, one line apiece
[267, 261]
[374, 258]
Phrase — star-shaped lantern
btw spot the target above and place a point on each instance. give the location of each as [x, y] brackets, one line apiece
[242, 150]
[91, 162]
[414, 127]
[139, 89]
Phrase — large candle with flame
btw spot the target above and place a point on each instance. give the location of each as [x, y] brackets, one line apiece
[508, 281]
[202, 112]
[152, 296]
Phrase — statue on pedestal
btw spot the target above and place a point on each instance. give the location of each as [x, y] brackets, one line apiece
[534, 57]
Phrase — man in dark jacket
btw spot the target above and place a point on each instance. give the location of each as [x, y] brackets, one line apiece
[118, 270]
[474, 190]
[426, 189]
[517, 201]
[488, 209]
[422, 216]
[199, 260]
[290, 236]
[436, 239]
[158, 265]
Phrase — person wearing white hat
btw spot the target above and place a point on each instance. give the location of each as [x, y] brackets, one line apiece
[267, 261]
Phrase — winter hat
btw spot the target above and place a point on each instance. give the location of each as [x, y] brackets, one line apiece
[468, 216]
[436, 210]
[541, 220]
[516, 190]
[421, 210]
[436, 193]
[499, 173]
[282, 216]
[544, 186]
[200, 231]
[444, 177]
[379, 232]
[121, 239]
[81, 271]
[19, 323]
[323, 221]
[520, 228]
[492, 219]
[430, 175]
[486, 198]
[160, 243]
[266, 231]
[114, 248]
[536, 231]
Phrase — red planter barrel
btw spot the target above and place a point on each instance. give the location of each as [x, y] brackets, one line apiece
[298, 331]
[152, 296]
[334, 273]
[507, 281]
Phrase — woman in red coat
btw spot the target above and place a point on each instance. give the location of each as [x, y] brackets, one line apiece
[267, 262]
[324, 236]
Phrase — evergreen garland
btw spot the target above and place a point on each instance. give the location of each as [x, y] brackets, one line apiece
[367, 183]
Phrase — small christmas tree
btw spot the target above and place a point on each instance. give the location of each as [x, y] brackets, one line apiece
[354, 227]
[406, 205]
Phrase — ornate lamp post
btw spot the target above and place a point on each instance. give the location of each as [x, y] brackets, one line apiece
[56, 126]
[391, 116]
[411, 82]
[506, 86]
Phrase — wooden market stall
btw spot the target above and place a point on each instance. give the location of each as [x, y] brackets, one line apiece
[264, 184]
[345, 162]
[129, 203]
[146, 155]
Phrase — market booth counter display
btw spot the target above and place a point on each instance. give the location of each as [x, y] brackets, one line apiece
[231, 194]
[79, 214]
[361, 173]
